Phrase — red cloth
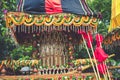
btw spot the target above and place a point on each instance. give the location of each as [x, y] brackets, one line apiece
[87, 37]
[83, 33]
[53, 6]
[89, 40]
[99, 39]
[102, 68]
[100, 55]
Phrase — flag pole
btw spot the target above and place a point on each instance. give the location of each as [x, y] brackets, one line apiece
[94, 56]
[105, 75]
[107, 71]
[98, 78]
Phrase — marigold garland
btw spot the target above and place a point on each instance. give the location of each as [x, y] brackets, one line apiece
[18, 18]
[111, 38]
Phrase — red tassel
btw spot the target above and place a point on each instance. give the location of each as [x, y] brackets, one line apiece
[87, 37]
[100, 55]
[102, 68]
[89, 40]
[99, 39]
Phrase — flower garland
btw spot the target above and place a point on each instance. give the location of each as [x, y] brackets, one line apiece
[81, 61]
[17, 63]
[18, 18]
[88, 77]
[111, 38]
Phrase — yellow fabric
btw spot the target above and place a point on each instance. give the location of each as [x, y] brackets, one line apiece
[115, 16]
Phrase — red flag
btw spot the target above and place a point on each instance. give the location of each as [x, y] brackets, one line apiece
[87, 37]
[100, 55]
[89, 40]
[99, 39]
[83, 33]
[102, 68]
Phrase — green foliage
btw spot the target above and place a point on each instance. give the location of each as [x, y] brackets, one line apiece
[81, 54]
[115, 72]
[104, 7]
[21, 52]
[6, 43]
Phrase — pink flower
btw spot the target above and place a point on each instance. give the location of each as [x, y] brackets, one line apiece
[5, 11]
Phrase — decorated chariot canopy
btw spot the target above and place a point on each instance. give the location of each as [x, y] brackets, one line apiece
[50, 14]
[53, 25]
[113, 37]
[57, 29]
[35, 16]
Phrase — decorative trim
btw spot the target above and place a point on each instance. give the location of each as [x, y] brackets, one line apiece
[18, 18]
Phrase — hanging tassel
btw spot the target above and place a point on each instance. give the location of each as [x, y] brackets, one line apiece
[48, 29]
[85, 28]
[36, 28]
[14, 29]
[32, 29]
[79, 29]
[22, 28]
[18, 29]
[45, 28]
[75, 29]
[29, 28]
[25, 29]
[63, 28]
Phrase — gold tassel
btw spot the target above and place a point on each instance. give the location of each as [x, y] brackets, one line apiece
[25, 29]
[13, 28]
[39, 29]
[18, 29]
[32, 29]
[29, 29]
[36, 29]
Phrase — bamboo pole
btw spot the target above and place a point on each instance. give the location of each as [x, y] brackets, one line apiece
[84, 61]
[98, 78]
[88, 66]
[106, 71]
[94, 57]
